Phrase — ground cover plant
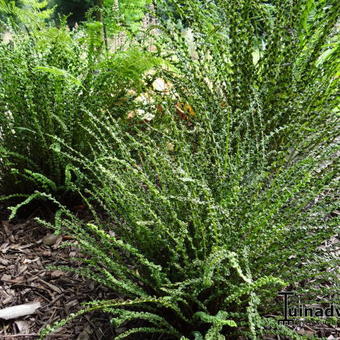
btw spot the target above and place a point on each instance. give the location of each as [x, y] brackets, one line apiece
[214, 211]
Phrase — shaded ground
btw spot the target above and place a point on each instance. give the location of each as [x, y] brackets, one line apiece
[25, 253]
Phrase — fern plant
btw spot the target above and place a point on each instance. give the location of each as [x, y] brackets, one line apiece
[48, 79]
[31, 14]
[36, 99]
[210, 216]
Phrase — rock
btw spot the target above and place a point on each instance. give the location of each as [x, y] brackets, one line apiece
[50, 239]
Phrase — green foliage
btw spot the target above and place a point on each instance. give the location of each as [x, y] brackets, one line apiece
[35, 103]
[133, 12]
[207, 215]
[114, 14]
[118, 16]
[201, 236]
[32, 14]
[48, 80]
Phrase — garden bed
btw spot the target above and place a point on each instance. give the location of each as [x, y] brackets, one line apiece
[25, 253]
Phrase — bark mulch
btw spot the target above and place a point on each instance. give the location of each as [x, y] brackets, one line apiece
[26, 249]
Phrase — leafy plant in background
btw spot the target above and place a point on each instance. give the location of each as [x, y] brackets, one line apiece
[209, 218]
[117, 17]
[31, 14]
[133, 12]
[49, 78]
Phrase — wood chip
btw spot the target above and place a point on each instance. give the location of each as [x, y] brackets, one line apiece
[6, 278]
[50, 285]
[23, 326]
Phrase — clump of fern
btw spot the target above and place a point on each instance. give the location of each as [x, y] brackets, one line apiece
[210, 216]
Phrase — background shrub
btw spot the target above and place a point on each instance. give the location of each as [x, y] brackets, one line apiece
[49, 79]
